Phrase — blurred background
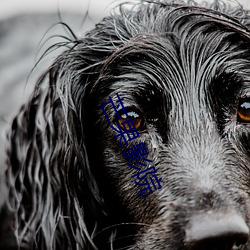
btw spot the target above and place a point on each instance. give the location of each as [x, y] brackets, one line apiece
[25, 29]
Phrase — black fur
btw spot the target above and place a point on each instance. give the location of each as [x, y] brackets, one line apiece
[184, 69]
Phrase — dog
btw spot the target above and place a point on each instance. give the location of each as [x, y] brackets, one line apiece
[177, 71]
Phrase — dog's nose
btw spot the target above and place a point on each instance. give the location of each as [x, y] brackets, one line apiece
[217, 232]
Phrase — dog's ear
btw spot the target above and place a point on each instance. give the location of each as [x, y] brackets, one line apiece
[52, 191]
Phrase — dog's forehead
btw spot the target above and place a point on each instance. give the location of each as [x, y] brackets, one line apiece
[168, 66]
[184, 61]
[187, 55]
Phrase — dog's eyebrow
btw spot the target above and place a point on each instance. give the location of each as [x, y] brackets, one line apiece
[227, 82]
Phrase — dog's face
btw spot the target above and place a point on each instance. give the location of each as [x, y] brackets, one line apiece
[184, 75]
[186, 83]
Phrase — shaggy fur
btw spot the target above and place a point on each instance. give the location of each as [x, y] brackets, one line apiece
[184, 70]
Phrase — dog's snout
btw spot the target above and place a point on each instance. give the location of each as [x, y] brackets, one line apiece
[222, 232]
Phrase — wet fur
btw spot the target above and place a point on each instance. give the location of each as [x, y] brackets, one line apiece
[184, 69]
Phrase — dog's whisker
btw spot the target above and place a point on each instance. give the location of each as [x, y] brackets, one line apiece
[120, 225]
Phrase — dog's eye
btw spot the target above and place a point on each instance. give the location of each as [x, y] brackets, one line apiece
[137, 119]
[243, 113]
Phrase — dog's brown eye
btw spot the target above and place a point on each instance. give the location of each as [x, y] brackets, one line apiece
[138, 121]
[243, 113]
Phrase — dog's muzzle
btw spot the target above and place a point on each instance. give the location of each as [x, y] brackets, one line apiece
[217, 232]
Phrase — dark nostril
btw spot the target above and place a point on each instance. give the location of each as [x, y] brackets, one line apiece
[223, 242]
[240, 241]
[217, 232]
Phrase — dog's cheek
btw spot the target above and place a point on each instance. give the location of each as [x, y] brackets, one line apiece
[115, 176]
[142, 209]
[239, 137]
[244, 138]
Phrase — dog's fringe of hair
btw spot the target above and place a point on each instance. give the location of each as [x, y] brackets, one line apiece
[51, 187]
